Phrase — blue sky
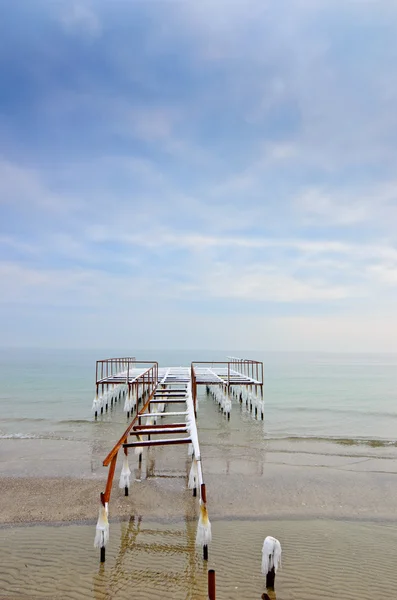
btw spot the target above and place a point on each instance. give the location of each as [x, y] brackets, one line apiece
[198, 174]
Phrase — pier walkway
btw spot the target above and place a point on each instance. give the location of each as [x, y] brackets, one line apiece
[151, 393]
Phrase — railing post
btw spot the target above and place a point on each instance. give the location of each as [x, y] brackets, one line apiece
[211, 584]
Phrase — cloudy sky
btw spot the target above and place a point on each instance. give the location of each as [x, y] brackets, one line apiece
[199, 174]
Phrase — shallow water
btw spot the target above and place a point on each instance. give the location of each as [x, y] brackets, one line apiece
[322, 559]
[47, 430]
[48, 394]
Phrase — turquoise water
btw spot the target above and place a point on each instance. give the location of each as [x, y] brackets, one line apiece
[48, 393]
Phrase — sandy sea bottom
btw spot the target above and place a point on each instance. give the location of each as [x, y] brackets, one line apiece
[322, 559]
[347, 551]
[332, 505]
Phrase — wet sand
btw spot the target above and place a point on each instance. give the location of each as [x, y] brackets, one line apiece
[331, 505]
[146, 559]
[305, 479]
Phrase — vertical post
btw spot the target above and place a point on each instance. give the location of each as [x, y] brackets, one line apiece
[102, 550]
[211, 584]
[194, 387]
[203, 493]
[270, 579]
[126, 487]
[96, 394]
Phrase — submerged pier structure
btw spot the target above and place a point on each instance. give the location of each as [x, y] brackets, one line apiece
[150, 394]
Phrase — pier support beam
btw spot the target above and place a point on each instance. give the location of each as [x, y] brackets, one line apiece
[211, 584]
[270, 579]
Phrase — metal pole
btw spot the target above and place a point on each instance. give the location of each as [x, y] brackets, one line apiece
[270, 579]
[211, 584]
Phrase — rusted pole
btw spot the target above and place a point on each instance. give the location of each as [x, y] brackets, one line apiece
[211, 584]
[124, 436]
[110, 478]
[203, 493]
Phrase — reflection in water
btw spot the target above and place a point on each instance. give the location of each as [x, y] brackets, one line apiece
[164, 549]
[154, 557]
[150, 462]
[158, 557]
[151, 560]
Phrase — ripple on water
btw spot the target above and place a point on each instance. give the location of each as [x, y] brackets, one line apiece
[322, 559]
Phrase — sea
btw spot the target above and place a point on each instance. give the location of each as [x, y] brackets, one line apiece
[316, 401]
[48, 394]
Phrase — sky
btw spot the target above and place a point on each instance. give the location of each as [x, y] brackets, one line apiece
[199, 174]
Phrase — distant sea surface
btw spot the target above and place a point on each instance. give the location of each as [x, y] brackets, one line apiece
[349, 398]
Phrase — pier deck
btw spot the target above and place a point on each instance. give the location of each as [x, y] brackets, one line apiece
[204, 373]
[148, 390]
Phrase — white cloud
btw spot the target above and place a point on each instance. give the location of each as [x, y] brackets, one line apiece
[74, 287]
[160, 237]
[385, 273]
[16, 244]
[149, 124]
[182, 218]
[78, 16]
[24, 187]
[260, 283]
[318, 206]
[375, 205]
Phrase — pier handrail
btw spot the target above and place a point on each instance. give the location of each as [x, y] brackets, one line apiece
[153, 373]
